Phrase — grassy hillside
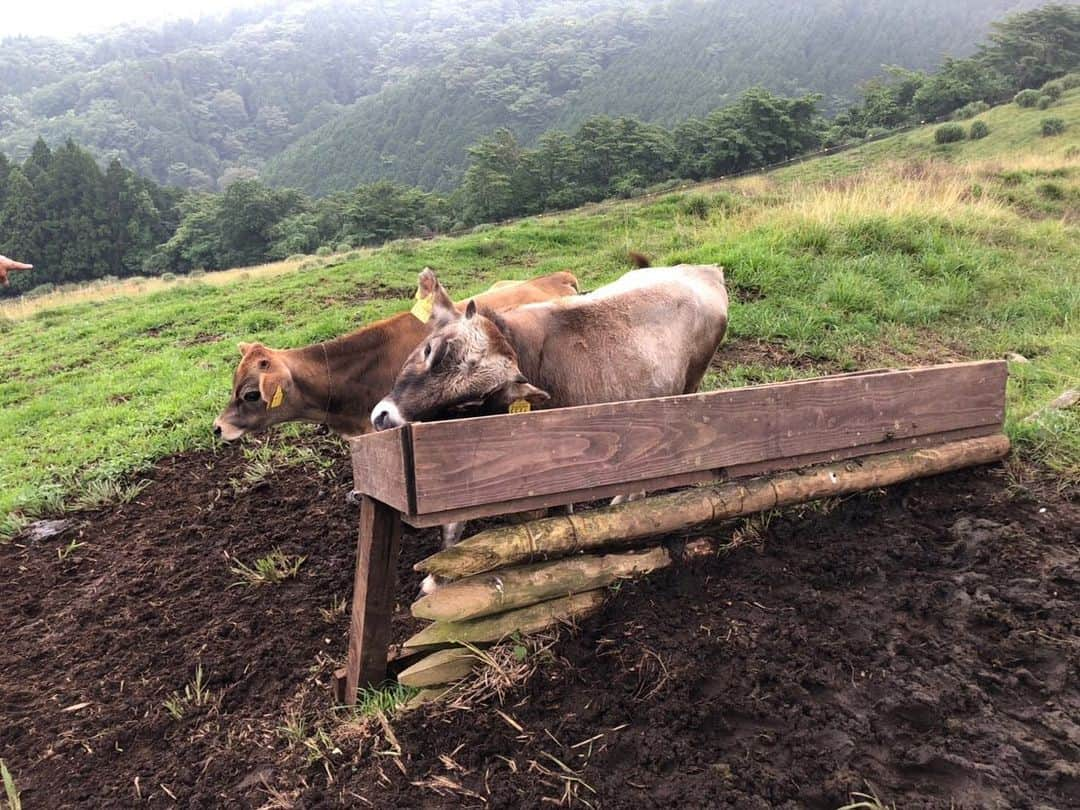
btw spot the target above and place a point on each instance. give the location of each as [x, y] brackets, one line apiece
[900, 262]
[1014, 132]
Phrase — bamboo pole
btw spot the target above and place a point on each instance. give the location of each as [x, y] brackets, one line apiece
[510, 588]
[442, 666]
[626, 524]
[493, 628]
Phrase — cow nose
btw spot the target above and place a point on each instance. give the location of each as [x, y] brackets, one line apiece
[385, 415]
[217, 431]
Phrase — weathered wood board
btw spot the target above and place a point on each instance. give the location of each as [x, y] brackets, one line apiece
[457, 465]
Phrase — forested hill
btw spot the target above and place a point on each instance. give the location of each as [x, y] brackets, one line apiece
[324, 95]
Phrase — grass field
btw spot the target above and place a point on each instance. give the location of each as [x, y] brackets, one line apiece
[899, 252]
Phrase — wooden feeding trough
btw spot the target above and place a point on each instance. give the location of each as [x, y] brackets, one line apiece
[428, 474]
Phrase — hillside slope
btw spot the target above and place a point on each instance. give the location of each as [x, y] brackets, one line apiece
[684, 58]
[903, 262]
[331, 94]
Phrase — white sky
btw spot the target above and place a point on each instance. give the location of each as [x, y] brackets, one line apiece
[67, 18]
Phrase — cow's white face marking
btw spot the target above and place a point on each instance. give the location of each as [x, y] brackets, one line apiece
[385, 415]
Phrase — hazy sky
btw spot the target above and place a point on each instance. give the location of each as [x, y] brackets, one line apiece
[66, 18]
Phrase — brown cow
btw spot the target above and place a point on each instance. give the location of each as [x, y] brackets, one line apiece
[337, 382]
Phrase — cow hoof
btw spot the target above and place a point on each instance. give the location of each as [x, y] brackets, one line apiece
[429, 585]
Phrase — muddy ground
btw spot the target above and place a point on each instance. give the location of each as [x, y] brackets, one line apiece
[922, 643]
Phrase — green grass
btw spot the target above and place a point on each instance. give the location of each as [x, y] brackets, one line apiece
[910, 262]
[1014, 130]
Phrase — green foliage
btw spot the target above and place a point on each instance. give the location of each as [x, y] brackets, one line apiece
[970, 110]
[1045, 102]
[325, 250]
[1052, 126]
[1027, 98]
[978, 130]
[949, 133]
[1054, 89]
[1035, 46]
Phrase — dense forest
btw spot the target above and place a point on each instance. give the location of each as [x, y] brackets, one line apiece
[60, 210]
[321, 96]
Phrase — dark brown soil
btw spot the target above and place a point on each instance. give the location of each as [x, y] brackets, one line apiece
[924, 641]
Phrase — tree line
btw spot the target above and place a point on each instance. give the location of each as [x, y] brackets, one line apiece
[75, 221]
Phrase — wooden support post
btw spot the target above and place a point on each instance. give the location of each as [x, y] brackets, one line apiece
[373, 599]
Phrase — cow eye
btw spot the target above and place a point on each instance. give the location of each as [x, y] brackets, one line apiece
[252, 396]
[427, 351]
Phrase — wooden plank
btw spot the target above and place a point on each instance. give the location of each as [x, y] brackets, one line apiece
[472, 462]
[381, 467]
[692, 478]
[373, 596]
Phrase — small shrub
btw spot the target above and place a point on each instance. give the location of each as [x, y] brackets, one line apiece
[1051, 191]
[41, 289]
[352, 255]
[949, 133]
[971, 110]
[696, 205]
[168, 276]
[200, 273]
[1054, 89]
[343, 247]
[1027, 98]
[978, 130]
[309, 264]
[325, 250]
[1052, 126]
[483, 226]
[1044, 102]
[1070, 80]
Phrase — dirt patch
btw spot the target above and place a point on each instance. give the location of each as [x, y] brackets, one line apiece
[370, 292]
[748, 352]
[924, 640]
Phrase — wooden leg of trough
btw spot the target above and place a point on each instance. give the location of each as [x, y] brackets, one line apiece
[373, 599]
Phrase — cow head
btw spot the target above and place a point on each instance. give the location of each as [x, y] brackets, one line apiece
[465, 364]
[261, 397]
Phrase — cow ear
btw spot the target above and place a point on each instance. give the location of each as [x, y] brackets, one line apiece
[470, 309]
[519, 389]
[244, 348]
[431, 289]
[274, 389]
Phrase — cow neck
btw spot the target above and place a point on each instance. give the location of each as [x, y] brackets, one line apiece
[529, 357]
[339, 372]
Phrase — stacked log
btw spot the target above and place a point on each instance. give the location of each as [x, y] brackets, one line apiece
[527, 577]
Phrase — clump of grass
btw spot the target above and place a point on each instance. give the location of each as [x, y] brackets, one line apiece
[10, 791]
[195, 694]
[263, 461]
[335, 611]
[275, 567]
[66, 551]
[866, 801]
[386, 699]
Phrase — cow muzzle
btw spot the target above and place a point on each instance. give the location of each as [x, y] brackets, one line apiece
[386, 415]
[226, 431]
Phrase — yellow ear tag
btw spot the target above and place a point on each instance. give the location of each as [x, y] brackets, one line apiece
[279, 397]
[520, 406]
[422, 308]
